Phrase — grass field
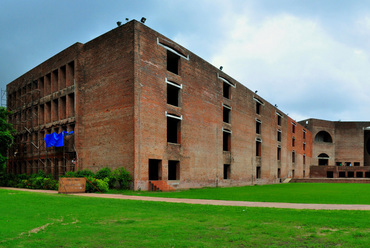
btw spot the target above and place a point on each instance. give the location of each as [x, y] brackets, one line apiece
[331, 193]
[52, 220]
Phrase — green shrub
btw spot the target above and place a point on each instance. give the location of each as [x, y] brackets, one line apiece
[70, 174]
[123, 177]
[106, 173]
[102, 185]
[84, 173]
[90, 183]
[49, 183]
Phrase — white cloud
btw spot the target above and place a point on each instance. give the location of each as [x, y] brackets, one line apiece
[293, 62]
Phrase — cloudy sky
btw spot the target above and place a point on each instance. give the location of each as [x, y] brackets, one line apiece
[310, 57]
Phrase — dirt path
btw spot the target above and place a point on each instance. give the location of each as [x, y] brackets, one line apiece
[216, 202]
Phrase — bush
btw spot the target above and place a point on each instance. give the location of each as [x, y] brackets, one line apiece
[106, 173]
[84, 173]
[69, 174]
[103, 185]
[123, 177]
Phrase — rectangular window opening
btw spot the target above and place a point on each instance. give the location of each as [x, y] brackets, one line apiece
[226, 114]
[258, 148]
[227, 171]
[304, 159]
[359, 174]
[293, 156]
[155, 169]
[279, 120]
[279, 173]
[293, 142]
[356, 163]
[173, 62]
[226, 90]
[173, 130]
[329, 174]
[258, 127]
[173, 170]
[350, 174]
[258, 172]
[279, 153]
[173, 94]
[226, 141]
[258, 108]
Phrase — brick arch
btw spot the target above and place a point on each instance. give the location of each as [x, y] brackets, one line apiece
[323, 136]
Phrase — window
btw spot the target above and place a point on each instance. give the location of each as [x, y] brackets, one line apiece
[304, 159]
[173, 129]
[258, 172]
[258, 108]
[279, 153]
[258, 126]
[304, 146]
[279, 173]
[293, 127]
[279, 116]
[323, 136]
[279, 135]
[173, 62]
[293, 156]
[227, 170]
[323, 159]
[338, 163]
[359, 174]
[226, 140]
[226, 90]
[293, 142]
[226, 114]
[173, 93]
[258, 147]
[173, 170]
[356, 163]
[304, 134]
[258, 105]
[329, 174]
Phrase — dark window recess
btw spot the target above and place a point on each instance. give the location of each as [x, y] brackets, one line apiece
[293, 128]
[279, 120]
[323, 136]
[173, 170]
[278, 136]
[258, 108]
[304, 146]
[227, 170]
[173, 94]
[293, 142]
[227, 115]
[304, 135]
[359, 174]
[173, 62]
[350, 174]
[304, 159]
[258, 172]
[278, 153]
[323, 159]
[293, 172]
[155, 169]
[226, 141]
[367, 174]
[173, 130]
[258, 127]
[278, 173]
[226, 90]
[258, 148]
[356, 163]
[293, 157]
[338, 163]
[342, 174]
[329, 174]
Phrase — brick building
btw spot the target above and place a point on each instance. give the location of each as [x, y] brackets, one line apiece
[340, 149]
[134, 98]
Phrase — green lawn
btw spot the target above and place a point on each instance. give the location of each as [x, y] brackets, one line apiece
[334, 193]
[52, 220]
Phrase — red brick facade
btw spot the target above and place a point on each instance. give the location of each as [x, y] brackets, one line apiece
[134, 98]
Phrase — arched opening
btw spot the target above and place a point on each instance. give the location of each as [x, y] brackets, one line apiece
[323, 159]
[323, 136]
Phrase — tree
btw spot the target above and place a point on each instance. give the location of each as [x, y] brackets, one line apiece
[6, 137]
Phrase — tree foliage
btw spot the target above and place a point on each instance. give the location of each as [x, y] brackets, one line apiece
[6, 137]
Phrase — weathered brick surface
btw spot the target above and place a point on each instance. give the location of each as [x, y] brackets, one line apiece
[117, 103]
